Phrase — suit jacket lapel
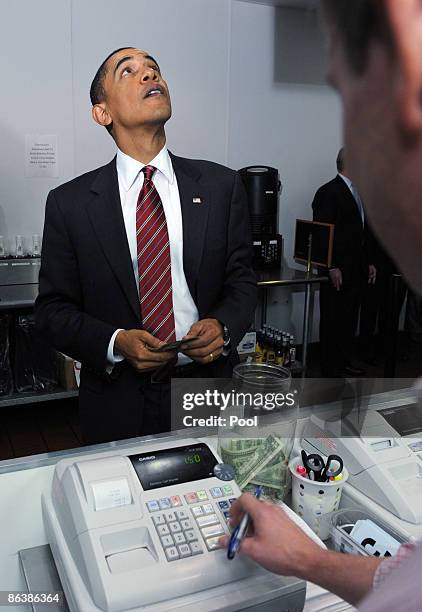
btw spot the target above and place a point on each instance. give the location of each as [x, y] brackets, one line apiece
[195, 200]
[105, 212]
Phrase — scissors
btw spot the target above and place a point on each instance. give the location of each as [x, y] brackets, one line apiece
[322, 471]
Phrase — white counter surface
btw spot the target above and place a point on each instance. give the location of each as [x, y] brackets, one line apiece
[22, 482]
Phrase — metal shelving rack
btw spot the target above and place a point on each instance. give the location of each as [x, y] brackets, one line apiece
[18, 291]
[287, 277]
[17, 399]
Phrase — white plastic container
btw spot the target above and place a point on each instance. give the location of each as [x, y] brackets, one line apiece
[342, 523]
[315, 501]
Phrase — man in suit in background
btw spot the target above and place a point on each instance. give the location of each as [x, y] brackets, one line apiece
[138, 253]
[339, 203]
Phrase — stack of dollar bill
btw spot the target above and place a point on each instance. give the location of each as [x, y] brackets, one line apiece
[258, 461]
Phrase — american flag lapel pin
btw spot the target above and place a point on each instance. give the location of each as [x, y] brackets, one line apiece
[197, 200]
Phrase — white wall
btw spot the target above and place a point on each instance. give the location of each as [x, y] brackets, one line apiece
[189, 39]
[295, 128]
[36, 98]
[221, 59]
[49, 53]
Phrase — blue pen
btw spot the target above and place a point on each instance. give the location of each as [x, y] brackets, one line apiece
[241, 530]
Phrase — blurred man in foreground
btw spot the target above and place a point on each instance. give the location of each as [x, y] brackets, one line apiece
[376, 65]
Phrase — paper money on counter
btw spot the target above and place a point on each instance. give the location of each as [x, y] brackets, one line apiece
[258, 461]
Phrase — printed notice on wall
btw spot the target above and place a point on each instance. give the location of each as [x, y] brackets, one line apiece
[41, 155]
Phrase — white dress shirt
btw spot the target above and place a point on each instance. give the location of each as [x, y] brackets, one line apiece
[131, 180]
[356, 196]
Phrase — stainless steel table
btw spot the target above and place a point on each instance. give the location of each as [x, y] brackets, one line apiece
[286, 277]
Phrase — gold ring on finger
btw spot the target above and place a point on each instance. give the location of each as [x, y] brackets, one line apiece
[211, 356]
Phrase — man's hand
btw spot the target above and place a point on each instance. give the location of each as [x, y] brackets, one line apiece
[132, 345]
[336, 278]
[280, 546]
[209, 345]
[372, 274]
[276, 543]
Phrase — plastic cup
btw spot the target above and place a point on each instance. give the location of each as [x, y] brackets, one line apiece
[315, 501]
[36, 245]
[19, 251]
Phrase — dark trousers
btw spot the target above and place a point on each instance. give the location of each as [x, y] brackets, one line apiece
[377, 311]
[338, 321]
[134, 405]
[370, 315]
[414, 317]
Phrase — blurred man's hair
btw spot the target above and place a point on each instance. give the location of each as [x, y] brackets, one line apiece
[358, 21]
[340, 160]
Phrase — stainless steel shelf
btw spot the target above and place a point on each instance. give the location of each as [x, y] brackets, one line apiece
[18, 282]
[17, 399]
[296, 4]
[286, 276]
[15, 297]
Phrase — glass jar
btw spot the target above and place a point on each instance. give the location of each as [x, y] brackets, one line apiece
[3, 251]
[36, 245]
[260, 428]
[19, 248]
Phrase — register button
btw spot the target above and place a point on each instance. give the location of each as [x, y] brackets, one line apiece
[212, 532]
[216, 492]
[153, 505]
[212, 544]
[191, 498]
[416, 447]
[165, 503]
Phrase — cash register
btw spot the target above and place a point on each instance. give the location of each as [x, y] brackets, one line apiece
[381, 445]
[138, 529]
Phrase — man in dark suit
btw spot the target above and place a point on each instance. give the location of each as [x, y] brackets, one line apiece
[338, 202]
[143, 251]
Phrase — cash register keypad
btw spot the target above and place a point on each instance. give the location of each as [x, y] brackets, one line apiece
[175, 524]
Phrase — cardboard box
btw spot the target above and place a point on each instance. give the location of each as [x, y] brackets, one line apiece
[66, 372]
[247, 346]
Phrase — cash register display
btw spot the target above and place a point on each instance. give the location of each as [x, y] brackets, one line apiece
[174, 466]
[406, 420]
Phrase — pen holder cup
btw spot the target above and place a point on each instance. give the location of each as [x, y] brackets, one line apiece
[315, 501]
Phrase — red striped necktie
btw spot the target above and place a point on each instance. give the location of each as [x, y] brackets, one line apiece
[154, 264]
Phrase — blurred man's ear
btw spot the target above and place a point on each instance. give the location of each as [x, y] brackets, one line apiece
[405, 21]
[101, 115]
